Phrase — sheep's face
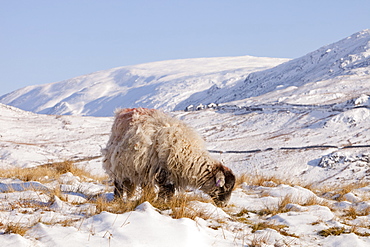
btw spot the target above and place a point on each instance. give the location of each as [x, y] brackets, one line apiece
[220, 186]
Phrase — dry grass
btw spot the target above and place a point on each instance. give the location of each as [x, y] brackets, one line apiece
[333, 231]
[338, 191]
[261, 180]
[315, 200]
[48, 172]
[263, 225]
[241, 213]
[21, 228]
[352, 213]
[244, 178]
[15, 228]
[336, 231]
[279, 228]
[116, 206]
[281, 207]
[178, 206]
[258, 240]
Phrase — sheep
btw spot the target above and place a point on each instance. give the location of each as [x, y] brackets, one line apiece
[151, 149]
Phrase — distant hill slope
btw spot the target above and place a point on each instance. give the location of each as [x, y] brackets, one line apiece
[333, 73]
[154, 85]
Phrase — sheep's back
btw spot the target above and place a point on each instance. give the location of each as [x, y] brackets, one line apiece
[143, 141]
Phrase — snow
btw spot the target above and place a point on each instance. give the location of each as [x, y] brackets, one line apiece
[320, 77]
[107, 229]
[346, 240]
[301, 125]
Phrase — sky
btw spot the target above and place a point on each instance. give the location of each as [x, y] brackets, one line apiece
[45, 41]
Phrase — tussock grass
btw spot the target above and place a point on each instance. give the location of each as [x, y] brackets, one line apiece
[336, 231]
[281, 206]
[352, 213]
[258, 240]
[279, 228]
[15, 228]
[333, 231]
[261, 180]
[315, 200]
[263, 225]
[241, 213]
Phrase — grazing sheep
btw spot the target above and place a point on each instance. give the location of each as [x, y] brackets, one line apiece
[148, 148]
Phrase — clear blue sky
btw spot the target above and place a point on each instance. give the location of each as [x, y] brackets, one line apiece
[44, 41]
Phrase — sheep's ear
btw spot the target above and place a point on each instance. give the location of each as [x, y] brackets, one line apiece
[220, 179]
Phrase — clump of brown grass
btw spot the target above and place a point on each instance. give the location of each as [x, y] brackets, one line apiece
[333, 231]
[281, 207]
[263, 225]
[179, 205]
[279, 228]
[244, 178]
[352, 213]
[258, 240]
[117, 206]
[314, 200]
[15, 228]
[261, 180]
[336, 231]
[241, 213]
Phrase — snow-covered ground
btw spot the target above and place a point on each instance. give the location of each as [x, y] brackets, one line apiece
[297, 153]
[302, 153]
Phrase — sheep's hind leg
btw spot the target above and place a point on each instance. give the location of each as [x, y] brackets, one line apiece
[166, 191]
[125, 186]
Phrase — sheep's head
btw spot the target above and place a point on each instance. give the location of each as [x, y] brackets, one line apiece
[220, 185]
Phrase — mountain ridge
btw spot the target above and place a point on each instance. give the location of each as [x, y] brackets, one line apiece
[153, 85]
[349, 57]
[333, 73]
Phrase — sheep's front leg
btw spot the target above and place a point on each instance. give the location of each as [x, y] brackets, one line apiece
[166, 187]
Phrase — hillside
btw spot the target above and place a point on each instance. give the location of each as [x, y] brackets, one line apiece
[331, 74]
[304, 181]
[334, 73]
[153, 85]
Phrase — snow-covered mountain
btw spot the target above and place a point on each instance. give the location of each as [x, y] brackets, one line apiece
[331, 74]
[153, 85]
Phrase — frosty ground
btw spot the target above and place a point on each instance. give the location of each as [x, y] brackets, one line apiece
[307, 196]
